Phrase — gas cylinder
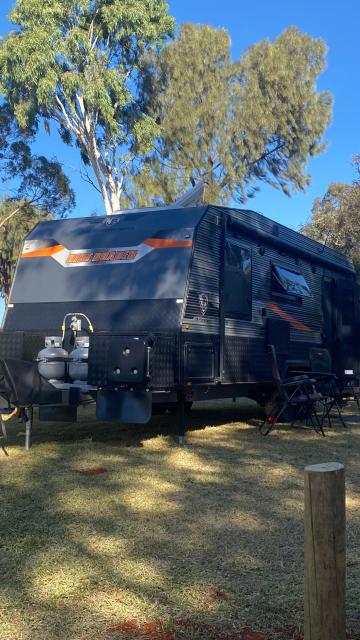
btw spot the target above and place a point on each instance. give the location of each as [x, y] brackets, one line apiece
[52, 359]
[78, 365]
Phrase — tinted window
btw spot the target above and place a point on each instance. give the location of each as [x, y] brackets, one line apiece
[291, 282]
[237, 290]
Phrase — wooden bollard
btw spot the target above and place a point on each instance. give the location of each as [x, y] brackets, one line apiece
[325, 563]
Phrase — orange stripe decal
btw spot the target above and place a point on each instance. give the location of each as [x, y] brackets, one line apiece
[286, 316]
[48, 251]
[163, 243]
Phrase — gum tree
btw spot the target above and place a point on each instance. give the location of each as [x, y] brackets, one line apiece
[75, 63]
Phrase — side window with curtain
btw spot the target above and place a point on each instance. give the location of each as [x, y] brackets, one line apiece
[237, 285]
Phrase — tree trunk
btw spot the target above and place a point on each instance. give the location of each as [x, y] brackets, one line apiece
[115, 202]
[102, 187]
[110, 198]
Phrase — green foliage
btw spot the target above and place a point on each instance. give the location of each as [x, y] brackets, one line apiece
[76, 62]
[42, 190]
[335, 218]
[12, 235]
[45, 185]
[232, 124]
[38, 180]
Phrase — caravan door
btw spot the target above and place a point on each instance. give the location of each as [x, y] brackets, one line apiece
[341, 324]
[347, 329]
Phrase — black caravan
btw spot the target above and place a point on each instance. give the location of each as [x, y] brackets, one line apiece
[171, 305]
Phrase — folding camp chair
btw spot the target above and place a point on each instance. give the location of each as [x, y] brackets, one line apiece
[338, 392]
[296, 397]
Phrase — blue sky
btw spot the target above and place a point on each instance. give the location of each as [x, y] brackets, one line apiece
[247, 22]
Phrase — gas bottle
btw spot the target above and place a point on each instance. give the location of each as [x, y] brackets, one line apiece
[78, 365]
[52, 359]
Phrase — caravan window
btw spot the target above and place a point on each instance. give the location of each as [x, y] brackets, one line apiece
[290, 282]
[237, 286]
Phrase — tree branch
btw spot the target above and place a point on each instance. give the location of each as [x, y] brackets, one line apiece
[267, 153]
[65, 120]
[168, 164]
[10, 215]
[85, 176]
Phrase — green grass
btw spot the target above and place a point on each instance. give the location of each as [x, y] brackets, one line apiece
[195, 542]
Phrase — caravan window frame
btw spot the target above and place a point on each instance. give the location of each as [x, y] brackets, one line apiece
[240, 313]
[279, 290]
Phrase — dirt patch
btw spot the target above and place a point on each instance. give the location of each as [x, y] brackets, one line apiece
[214, 596]
[132, 630]
[96, 471]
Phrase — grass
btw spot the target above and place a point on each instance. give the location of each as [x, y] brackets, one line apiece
[166, 543]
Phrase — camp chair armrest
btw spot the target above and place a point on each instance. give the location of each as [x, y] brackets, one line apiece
[323, 375]
[306, 397]
[297, 382]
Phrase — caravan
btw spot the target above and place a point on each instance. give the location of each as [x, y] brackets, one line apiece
[153, 308]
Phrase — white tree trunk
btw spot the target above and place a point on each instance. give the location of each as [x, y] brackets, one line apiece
[107, 185]
[103, 187]
[82, 125]
[115, 202]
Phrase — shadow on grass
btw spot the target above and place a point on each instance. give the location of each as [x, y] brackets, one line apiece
[206, 539]
[203, 415]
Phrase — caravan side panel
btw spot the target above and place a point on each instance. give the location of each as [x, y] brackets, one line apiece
[200, 344]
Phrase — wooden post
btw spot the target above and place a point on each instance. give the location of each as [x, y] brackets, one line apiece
[325, 564]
